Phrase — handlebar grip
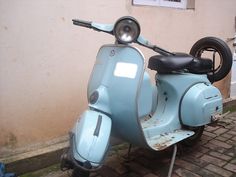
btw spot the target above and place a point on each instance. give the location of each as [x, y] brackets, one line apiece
[86, 24]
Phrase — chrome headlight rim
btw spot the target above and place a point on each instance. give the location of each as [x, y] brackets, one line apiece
[131, 23]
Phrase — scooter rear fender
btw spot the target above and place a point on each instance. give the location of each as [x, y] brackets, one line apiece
[90, 138]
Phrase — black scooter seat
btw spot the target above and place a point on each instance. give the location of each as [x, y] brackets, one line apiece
[166, 64]
[179, 62]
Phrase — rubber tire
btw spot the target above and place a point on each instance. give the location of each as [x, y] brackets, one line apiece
[222, 48]
[79, 173]
[192, 140]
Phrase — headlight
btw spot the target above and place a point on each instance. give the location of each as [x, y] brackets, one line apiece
[126, 30]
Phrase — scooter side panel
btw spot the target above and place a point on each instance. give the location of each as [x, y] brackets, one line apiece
[91, 137]
[164, 127]
[207, 103]
[171, 88]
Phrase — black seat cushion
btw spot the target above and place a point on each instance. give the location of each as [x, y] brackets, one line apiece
[178, 62]
[167, 64]
[200, 66]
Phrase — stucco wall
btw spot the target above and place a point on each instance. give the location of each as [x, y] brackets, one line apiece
[45, 61]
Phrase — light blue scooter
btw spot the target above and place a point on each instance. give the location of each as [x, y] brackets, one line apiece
[123, 102]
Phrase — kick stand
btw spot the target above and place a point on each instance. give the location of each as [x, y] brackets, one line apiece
[129, 150]
[127, 158]
[172, 161]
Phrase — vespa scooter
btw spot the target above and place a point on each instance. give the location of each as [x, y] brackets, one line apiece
[122, 101]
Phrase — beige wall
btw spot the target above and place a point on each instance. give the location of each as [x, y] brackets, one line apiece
[45, 61]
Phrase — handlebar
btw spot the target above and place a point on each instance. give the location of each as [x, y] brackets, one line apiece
[86, 24]
[144, 42]
[108, 28]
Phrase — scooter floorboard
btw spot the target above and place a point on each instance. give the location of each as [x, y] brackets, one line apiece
[165, 140]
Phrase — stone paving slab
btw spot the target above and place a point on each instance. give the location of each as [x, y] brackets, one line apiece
[213, 156]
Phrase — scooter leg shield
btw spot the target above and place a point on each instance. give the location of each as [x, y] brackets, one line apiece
[90, 138]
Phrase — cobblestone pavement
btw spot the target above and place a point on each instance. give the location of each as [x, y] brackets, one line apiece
[213, 156]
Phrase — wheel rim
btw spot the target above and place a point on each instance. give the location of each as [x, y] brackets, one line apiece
[216, 55]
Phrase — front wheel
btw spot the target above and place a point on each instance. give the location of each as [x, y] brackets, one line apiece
[192, 140]
[217, 50]
[79, 173]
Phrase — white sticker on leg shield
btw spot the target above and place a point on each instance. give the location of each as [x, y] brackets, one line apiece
[127, 70]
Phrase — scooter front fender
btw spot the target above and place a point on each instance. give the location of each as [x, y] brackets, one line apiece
[91, 136]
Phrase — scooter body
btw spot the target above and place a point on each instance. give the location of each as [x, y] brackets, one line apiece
[122, 102]
[125, 104]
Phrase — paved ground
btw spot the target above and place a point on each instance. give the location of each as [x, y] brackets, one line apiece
[213, 156]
